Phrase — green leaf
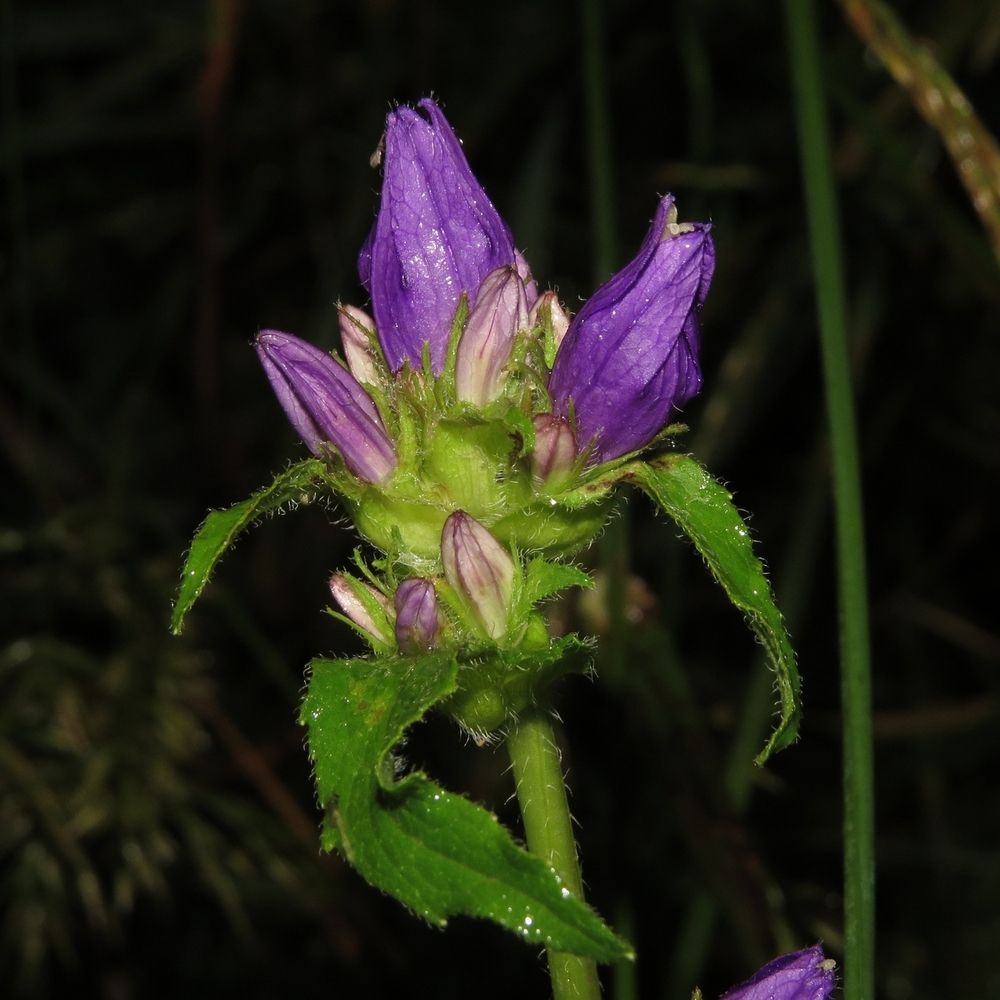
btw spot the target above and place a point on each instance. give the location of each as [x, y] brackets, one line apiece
[705, 511]
[222, 526]
[438, 853]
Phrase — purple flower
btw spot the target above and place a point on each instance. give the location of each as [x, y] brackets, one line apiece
[417, 622]
[326, 404]
[480, 569]
[802, 975]
[630, 358]
[436, 235]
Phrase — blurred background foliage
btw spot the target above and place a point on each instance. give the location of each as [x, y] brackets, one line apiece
[179, 174]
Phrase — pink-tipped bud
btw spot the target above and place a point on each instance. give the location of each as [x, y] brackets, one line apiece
[549, 314]
[361, 603]
[524, 273]
[417, 621]
[555, 449]
[357, 330]
[480, 569]
[501, 310]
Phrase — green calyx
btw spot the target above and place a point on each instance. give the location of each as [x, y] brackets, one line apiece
[497, 681]
[495, 686]
[480, 463]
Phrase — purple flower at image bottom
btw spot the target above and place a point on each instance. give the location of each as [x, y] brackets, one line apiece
[801, 975]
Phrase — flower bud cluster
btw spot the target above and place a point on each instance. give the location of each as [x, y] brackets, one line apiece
[465, 388]
[479, 571]
[472, 414]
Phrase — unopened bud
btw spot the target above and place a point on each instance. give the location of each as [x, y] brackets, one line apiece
[479, 568]
[549, 314]
[630, 358]
[524, 273]
[436, 236]
[555, 449]
[357, 330]
[361, 603]
[501, 310]
[417, 622]
[326, 404]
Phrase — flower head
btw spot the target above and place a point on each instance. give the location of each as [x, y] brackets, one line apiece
[436, 236]
[417, 620]
[802, 975]
[630, 357]
[480, 569]
[326, 404]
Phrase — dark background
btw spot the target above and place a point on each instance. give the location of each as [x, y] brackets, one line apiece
[181, 174]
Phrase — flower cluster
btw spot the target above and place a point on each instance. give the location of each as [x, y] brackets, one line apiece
[471, 418]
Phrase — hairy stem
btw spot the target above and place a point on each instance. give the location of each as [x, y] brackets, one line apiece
[541, 793]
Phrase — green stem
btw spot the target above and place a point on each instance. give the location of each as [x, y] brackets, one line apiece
[859, 798]
[541, 793]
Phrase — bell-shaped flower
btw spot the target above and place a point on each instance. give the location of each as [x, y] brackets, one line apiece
[417, 620]
[356, 331]
[480, 570]
[802, 975]
[554, 454]
[361, 602]
[436, 236]
[326, 404]
[630, 357]
[501, 310]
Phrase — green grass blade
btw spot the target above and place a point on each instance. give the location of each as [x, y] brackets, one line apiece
[859, 781]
